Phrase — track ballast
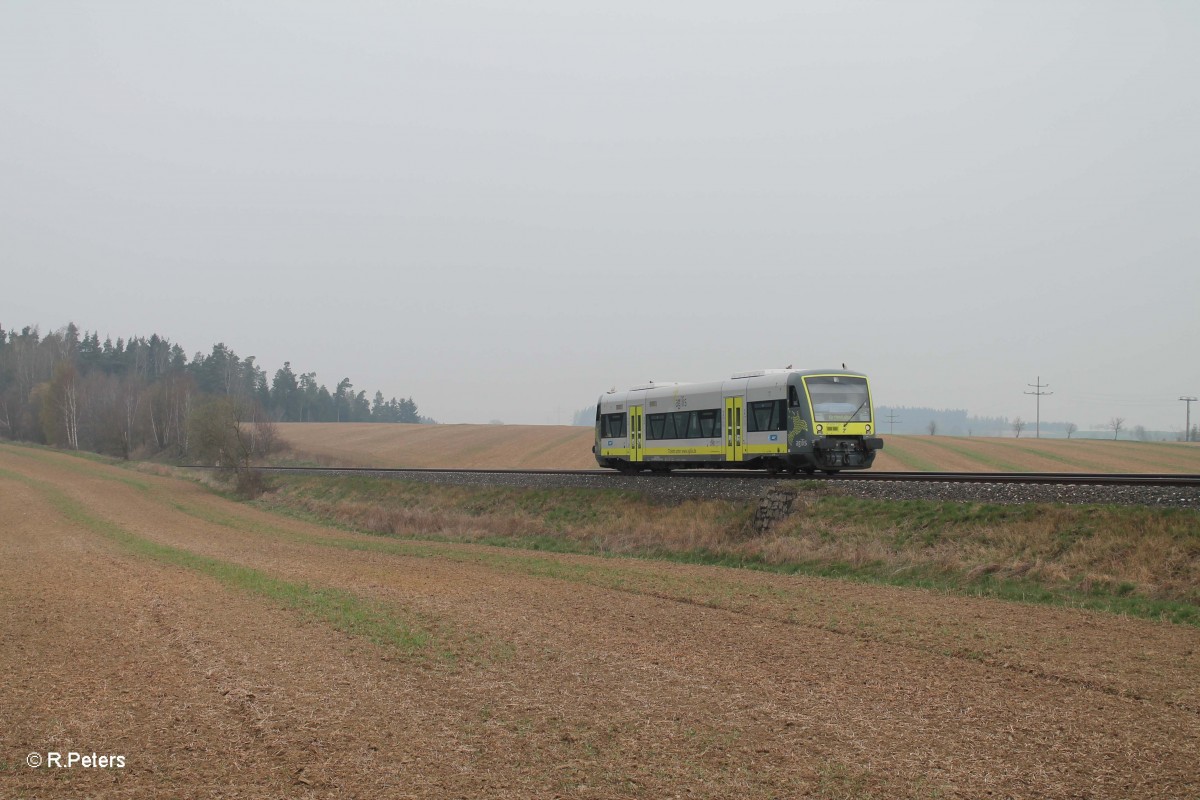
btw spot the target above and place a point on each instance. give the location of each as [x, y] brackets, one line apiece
[1031, 478]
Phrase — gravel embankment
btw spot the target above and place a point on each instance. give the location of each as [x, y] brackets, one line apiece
[1071, 494]
[684, 487]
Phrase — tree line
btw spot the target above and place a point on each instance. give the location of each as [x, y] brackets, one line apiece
[145, 396]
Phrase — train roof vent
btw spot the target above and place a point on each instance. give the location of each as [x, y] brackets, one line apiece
[758, 373]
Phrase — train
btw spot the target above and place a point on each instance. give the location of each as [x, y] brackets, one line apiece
[772, 419]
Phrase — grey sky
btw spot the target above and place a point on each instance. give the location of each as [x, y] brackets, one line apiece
[503, 209]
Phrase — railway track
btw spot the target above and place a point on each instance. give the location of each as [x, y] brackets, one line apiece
[1029, 478]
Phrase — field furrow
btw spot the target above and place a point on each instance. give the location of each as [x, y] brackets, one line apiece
[213, 658]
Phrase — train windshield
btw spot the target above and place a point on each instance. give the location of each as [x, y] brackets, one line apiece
[839, 398]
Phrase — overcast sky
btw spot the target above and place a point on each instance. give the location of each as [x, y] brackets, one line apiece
[504, 209]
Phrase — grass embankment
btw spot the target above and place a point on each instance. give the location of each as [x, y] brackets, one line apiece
[1134, 560]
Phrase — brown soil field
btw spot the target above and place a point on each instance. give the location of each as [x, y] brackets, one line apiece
[136, 622]
[458, 446]
[565, 447]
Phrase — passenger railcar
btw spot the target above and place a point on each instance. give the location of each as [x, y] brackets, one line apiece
[774, 419]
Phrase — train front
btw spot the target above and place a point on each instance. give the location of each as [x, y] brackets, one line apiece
[832, 427]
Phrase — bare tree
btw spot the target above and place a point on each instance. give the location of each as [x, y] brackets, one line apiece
[1071, 428]
[230, 432]
[70, 409]
[263, 433]
[1018, 425]
[178, 408]
[1140, 433]
[129, 403]
[60, 407]
[932, 427]
[1115, 425]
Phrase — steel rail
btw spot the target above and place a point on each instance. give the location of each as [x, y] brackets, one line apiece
[1052, 478]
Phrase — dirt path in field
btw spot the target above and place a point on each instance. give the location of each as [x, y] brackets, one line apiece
[567, 676]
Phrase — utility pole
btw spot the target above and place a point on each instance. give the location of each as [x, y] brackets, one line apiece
[892, 421]
[1187, 430]
[1039, 394]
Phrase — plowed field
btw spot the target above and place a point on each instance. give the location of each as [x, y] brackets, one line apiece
[225, 651]
[564, 447]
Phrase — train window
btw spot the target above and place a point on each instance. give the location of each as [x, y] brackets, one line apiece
[767, 415]
[841, 398]
[612, 426]
[683, 424]
[710, 423]
[793, 397]
[687, 425]
[669, 427]
[654, 425]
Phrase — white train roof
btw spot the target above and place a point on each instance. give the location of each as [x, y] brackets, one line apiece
[758, 373]
[768, 380]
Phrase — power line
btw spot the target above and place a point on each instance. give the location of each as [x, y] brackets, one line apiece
[1187, 430]
[892, 421]
[1039, 394]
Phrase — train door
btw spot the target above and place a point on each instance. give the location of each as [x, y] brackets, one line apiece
[635, 433]
[733, 428]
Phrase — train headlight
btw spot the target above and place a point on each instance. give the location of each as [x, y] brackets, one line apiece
[820, 428]
[868, 429]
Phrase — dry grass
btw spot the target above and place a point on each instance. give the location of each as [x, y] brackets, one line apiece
[603, 521]
[1108, 554]
[1148, 552]
[565, 447]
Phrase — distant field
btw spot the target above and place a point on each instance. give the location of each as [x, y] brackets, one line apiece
[460, 446]
[924, 453]
[565, 447]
